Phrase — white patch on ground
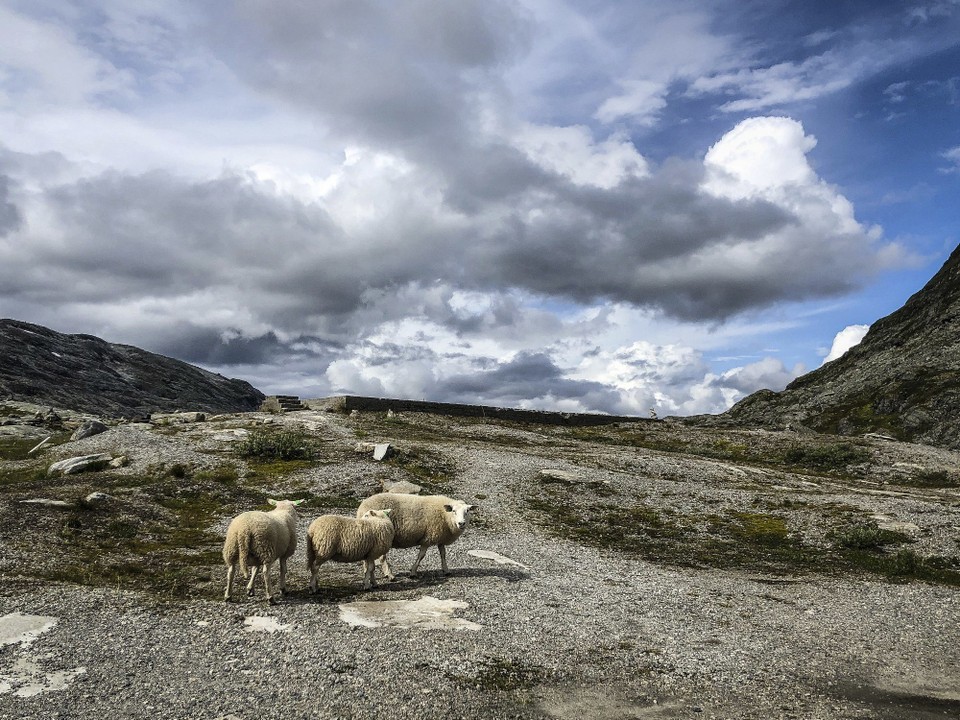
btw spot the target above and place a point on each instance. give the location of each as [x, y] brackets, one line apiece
[427, 613]
[26, 678]
[23, 629]
[496, 557]
[259, 623]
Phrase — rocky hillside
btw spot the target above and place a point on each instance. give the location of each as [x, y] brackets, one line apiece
[85, 373]
[902, 380]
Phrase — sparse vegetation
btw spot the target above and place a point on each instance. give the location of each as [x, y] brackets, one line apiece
[276, 445]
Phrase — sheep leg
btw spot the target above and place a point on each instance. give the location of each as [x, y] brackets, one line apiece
[314, 571]
[266, 583]
[443, 559]
[253, 576]
[229, 590]
[283, 576]
[368, 567]
[385, 567]
[423, 551]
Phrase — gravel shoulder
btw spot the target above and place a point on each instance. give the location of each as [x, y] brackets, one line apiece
[590, 628]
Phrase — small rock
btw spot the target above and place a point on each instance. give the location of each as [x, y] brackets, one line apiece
[381, 451]
[364, 447]
[401, 487]
[562, 475]
[89, 428]
[119, 462]
[98, 499]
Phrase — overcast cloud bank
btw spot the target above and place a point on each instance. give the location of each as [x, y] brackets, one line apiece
[420, 200]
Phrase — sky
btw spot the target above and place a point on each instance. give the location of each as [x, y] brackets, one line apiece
[593, 206]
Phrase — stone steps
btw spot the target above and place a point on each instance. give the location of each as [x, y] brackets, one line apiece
[282, 403]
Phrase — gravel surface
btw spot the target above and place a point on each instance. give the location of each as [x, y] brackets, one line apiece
[584, 631]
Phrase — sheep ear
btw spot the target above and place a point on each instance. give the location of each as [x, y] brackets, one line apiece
[272, 501]
[387, 511]
[298, 502]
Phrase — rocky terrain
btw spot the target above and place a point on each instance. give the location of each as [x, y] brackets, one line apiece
[82, 372]
[642, 569]
[903, 379]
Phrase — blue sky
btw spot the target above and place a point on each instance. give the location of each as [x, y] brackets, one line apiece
[587, 206]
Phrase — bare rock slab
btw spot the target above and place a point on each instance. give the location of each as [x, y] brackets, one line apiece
[82, 463]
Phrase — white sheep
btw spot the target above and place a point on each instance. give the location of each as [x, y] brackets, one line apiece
[423, 520]
[256, 539]
[347, 539]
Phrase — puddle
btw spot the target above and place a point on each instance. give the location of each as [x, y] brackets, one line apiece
[260, 623]
[26, 677]
[496, 557]
[427, 613]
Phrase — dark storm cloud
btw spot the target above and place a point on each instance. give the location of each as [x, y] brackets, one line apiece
[528, 375]
[10, 217]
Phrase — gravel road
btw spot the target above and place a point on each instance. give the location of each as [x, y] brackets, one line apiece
[569, 630]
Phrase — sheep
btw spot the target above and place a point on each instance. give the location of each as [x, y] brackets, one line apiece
[255, 539]
[422, 520]
[347, 539]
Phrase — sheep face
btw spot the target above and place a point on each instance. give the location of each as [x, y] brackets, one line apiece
[459, 514]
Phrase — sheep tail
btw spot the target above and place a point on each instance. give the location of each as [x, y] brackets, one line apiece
[244, 547]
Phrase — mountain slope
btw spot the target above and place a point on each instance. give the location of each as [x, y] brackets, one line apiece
[903, 379]
[85, 373]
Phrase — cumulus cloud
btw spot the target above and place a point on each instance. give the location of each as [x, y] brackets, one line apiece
[414, 199]
[846, 339]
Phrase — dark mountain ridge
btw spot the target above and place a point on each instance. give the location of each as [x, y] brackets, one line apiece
[85, 373]
[903, 379]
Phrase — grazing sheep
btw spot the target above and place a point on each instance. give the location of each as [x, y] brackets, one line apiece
[346, 539]
[422, 520]
[255, 539]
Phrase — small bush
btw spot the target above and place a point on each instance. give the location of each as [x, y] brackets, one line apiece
[869, 537]
[282, 445]
[835, 456]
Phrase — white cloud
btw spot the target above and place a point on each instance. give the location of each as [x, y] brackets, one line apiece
[846, 339]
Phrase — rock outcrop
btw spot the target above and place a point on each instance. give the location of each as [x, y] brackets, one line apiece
[902, 380]
[85, 373]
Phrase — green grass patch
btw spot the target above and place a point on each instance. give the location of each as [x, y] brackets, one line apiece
[734, 539]
[830, 457]
[273, 445]
[428, 468]
[931, 479]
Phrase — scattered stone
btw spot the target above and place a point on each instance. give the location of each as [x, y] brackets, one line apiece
[496, 557]
[98, 499]
[401, 487]
[88, 429]
[381, 451]
[885, 522]
[48, 503]
[879, 436]
[74, 465]
[364, 447]
[562, 475]
[119, 462]
[178, 418]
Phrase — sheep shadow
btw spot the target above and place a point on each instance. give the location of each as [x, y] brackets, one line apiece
[403, 583]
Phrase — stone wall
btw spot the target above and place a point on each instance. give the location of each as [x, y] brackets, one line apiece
[347, 403]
